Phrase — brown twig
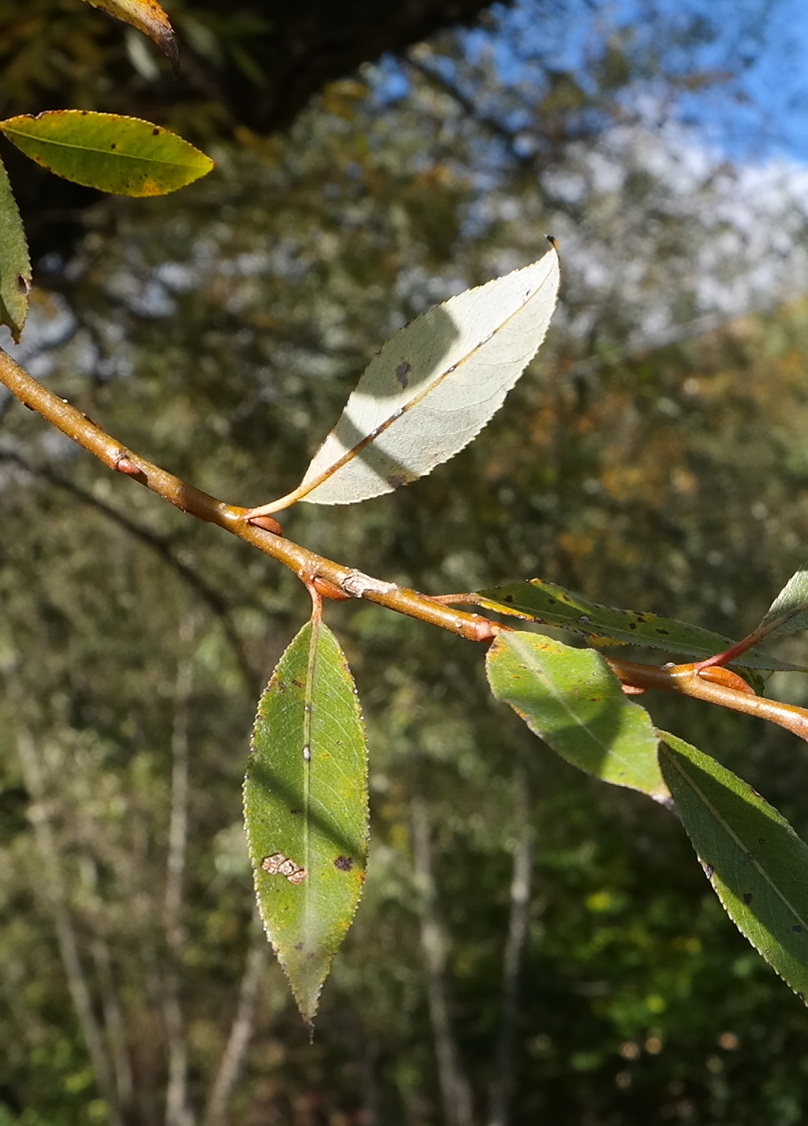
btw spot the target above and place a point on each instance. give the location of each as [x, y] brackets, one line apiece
[336, 579]
[687, 680]
[306, 564]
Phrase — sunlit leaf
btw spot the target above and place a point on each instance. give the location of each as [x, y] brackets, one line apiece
[789, 611]
[572, 700]
[147, 16]
[122, 155]
[756, 863]
[432, 388]
[552, 605]
[305, 808]
[15, 266]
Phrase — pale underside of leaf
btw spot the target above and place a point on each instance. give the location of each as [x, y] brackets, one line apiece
[752, 857]
[432, 388]
[305, 806]
[572, 700]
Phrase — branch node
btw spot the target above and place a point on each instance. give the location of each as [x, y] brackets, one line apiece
[124, 464]
[358, 585]
[267, 523]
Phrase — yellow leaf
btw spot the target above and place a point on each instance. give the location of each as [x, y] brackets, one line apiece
[147, 16]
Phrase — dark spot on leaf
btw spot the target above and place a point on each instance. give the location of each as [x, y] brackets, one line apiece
[664, 632]
[344, 863]
[632, 625]
[797, 928]
[113, 145]
[156, 132]
[295, 811]
[747, 897]
[508, 598]
[397, 480]
[298, 684]
[761, 840]
[402, 371]
[298, 946]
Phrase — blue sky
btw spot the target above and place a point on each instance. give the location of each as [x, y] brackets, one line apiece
[758, 115]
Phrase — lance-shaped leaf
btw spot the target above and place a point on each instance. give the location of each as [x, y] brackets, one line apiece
[572, 700]
[147, 16]
[431, 388]
[756, 863]
[122, 155]
[552, 605]
[306, 809]
[789, 611]
[15, 266]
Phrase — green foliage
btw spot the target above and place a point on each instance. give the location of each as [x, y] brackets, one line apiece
[306, 809]
[15, 266]
[122, 155]
[551, 605]
[282, 276]
[572, 700]
[750, 854]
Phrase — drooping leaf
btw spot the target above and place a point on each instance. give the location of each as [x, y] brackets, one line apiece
[121, 155]
[572, 700]
[147, 16]
[431, 388]
[552, 605]
[15, 266]
[306, 809]
[756, 863]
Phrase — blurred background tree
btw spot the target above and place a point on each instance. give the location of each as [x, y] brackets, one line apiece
[531, 946]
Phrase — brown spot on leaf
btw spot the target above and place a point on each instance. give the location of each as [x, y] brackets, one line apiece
[747, 897]
[402, 372]
[344, 863]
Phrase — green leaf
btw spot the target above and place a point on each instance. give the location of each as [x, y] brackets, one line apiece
[572, 700]
[789, 611]
[306, 809]
[15, 266]
[431, 389]
[552, 605]
[147, 16]
[122, 155]
[756, 863]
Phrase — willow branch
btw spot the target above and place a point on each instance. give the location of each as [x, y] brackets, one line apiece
[307, 565]
[688, 681]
